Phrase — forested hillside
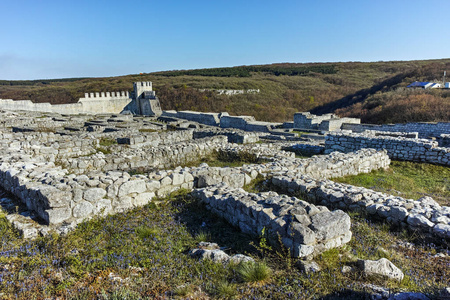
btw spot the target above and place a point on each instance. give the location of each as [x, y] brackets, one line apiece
[375, 91]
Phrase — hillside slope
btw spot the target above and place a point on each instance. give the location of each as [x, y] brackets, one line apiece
[373, 91]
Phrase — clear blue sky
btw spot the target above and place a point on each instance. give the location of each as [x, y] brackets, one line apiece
[64, 38]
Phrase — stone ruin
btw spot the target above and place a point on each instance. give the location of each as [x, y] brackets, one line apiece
[68, 168]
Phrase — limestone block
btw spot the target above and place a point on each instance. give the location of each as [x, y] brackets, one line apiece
[132, 186]
[240, 258]
[177, 179]
[94, 194]
[301, 234]
[303, 251]
[216, 255]
[54, 197]
[329, 225]
[418, 220]
[143, 198]
[82, 209]
[122, 203]
[165, 181]
[153, 185]
[102, 207]
[57, 215]
[382, 267]
[442, 230]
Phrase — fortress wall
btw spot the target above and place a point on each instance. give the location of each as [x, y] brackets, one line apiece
[424, 129]
[94, 104]
[400, 148]
[112, 105]
[27, 105]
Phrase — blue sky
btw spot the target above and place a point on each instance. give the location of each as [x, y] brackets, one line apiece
[63, 38]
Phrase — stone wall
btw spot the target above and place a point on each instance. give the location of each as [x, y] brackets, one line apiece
[211, 119]
[398, 148]
[444, 140]
[86, 188]
[238, 122]
[307, 230]
[309, 121]
[94, 104]
[327, 122]
[336, 123]
[424, 129]
[425, 214]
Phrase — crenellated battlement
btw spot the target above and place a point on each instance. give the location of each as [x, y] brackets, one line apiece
[143, 84]
[101, 95]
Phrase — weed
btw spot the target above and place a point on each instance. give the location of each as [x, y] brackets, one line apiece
[225, 290]
[257, 272]
[145, 232]
[202, 236]
[106, 142]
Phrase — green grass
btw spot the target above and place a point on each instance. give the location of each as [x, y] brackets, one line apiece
[226, 159]
[407, 179]
[257, 272]
[148, 248]
[106, 142]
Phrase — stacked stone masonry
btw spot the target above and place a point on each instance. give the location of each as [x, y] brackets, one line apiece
[59, 167]
[305, 229]
[425, 214]
[399, 148]
[66, 196]
[425, 130]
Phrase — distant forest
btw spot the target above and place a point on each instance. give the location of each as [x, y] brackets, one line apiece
[246, 71]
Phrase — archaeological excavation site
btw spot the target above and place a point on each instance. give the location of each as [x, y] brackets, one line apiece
[219, 196]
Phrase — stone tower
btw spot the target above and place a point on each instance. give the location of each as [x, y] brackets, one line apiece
[146, 101]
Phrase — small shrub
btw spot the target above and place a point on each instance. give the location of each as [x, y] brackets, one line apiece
[254, 272]
[202, 236]
[144, 232]
[225, 290]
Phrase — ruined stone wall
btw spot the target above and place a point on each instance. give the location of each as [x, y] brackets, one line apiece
[211, 119]
[399, 148]
[336, 123]
[425, 214]
[424, 129]
[305, 229]
[60, 195]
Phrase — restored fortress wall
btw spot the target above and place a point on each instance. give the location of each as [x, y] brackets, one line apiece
[93, 103]
[143, 102]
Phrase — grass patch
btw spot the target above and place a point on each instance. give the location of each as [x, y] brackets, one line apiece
[106, 142]
[143, 254]
[148, 130]
[408, 180]
[257, 272]
[224, 159]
